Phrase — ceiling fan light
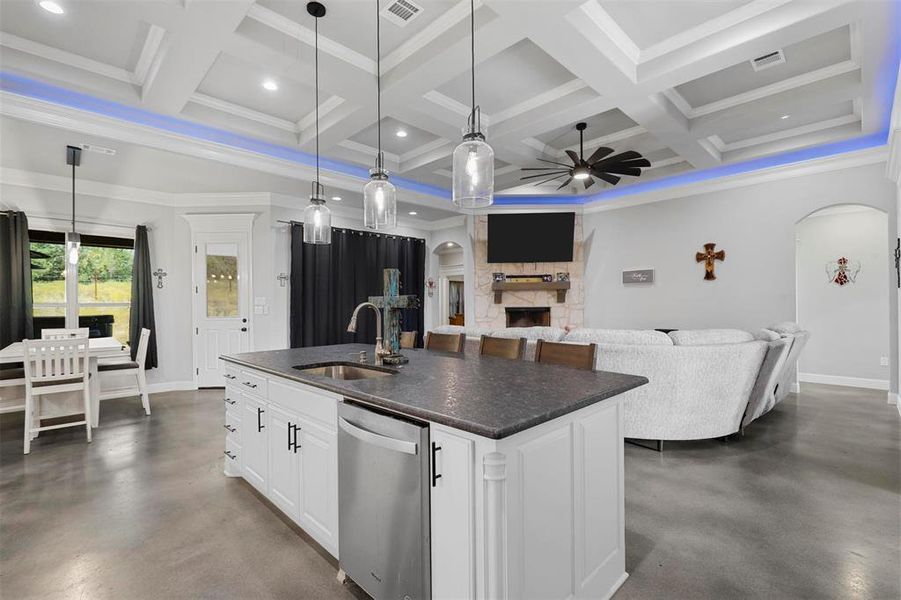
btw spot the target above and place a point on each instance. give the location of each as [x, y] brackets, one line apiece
[473, 173]
[581, 173]
[379, 201]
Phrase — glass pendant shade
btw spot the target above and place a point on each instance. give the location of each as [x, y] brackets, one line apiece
[473, 173]
[379, 202]
[317, 223]
[73, 242]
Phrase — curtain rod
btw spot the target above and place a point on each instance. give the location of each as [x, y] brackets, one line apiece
[387, 235]
[69, 220]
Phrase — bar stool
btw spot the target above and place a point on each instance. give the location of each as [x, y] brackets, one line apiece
[512, 348]
[445, 342]
[578, 356]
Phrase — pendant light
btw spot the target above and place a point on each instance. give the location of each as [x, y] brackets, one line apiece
[473, 158]
[317, 218]
[73, 238]
[379, 195]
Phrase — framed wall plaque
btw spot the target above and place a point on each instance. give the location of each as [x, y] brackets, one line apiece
[638, 276]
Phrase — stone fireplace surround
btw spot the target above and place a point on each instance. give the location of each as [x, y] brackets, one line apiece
[489, 315]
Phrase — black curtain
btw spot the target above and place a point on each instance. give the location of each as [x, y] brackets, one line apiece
[141, 316]
[329, 281]
[16, 312]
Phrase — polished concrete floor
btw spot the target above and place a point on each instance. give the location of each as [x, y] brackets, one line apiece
[806, 505]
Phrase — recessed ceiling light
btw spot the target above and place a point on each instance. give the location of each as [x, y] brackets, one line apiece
[270, 84]
[783, 117]
[412, 212]
[336, 198]
[401, 133]
[51, 7]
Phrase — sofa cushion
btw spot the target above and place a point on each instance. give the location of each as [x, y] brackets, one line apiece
[709, 337]
[631, 337]
[550, 334]
[470, 332]
[766, 335]
[786, 327]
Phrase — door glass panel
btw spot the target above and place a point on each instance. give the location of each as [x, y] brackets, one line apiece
[222, 280]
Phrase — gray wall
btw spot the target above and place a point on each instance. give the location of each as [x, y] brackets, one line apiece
[851, 317]
[754, 224]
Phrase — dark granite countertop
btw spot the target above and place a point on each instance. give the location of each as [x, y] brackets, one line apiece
[491, 397]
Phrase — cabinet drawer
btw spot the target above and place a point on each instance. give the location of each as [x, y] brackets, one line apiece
[310, 403]
[251, 383]
[230, 372]
[232, 457]
[233, 425]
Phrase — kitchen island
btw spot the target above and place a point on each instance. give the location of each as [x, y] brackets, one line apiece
[526, 470]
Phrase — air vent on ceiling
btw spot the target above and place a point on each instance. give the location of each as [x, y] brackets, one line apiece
[401, 12]
[97, 149]
[768, 60]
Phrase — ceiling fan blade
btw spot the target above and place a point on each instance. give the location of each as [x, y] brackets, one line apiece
[565, 183]
[551, 179]
[623, 170]
[543, 175]
[551, 162]
[543, 168]
[611, 179]
[589, 182]
[638, 162]
[599, 154]
[621, 157]
[573, 157]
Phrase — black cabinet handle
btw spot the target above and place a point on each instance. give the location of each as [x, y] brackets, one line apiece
[290, 428]
[296, 445]
[260, 425]
[435, 475]
[229, 376]
[229, 401]
[230, 455]
[230, 428]
[250, 385]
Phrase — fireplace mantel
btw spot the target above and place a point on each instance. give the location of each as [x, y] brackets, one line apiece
[499, 287]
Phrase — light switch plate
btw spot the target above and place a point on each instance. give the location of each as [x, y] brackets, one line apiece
[258, 310]
[883, 361]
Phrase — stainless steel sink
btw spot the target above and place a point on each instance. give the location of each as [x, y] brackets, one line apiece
[347, 371]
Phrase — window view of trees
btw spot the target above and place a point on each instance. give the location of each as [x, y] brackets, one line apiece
[104, 282]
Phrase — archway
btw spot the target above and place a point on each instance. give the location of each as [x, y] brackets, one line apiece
[451, 283]
[842, 294]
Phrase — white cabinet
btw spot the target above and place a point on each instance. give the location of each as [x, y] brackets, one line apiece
[285, 444]
[319, 483]
[255, 443]
[284, 461]
[453, 525]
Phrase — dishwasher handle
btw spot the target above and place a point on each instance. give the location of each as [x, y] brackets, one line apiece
[383, 441]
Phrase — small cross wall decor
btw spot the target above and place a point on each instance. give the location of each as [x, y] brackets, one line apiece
[159, 274]
[707, 257]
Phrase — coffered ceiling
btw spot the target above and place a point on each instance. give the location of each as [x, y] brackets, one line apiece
[671, 79]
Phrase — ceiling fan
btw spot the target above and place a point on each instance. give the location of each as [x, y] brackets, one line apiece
[600, 164]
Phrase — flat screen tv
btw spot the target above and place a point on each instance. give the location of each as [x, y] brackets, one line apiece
[531, 237]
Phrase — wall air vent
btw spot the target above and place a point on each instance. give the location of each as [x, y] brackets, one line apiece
[768, 60]
[401, 12]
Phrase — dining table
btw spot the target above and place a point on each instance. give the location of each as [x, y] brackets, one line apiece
[99, 347]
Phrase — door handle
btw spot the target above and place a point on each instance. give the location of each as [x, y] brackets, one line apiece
[260, 425]
[243, 329]
[435, 475]
[383, 441]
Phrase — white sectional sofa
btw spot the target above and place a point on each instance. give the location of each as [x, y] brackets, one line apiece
[703, 383]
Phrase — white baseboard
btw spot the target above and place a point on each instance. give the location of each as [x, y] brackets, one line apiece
[795, 388]
[171, 386]
[860, 382]
[895, 399]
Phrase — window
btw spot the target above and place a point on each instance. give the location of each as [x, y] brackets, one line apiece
[104, 282]
[222, 280]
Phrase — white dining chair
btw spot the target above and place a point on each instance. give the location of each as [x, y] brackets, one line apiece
[108, 370]
[63, 333]
[54, 367]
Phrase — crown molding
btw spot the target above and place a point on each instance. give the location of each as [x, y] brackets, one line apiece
[836, 162]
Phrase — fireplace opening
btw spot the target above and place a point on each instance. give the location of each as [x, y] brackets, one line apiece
[528, 316]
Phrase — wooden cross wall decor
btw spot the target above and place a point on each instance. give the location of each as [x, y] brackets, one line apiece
[707, 257]
[391, 303]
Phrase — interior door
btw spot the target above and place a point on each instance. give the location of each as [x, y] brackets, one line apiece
[221, 302]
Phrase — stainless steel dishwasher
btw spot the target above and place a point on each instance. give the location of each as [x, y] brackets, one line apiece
[383, 503]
